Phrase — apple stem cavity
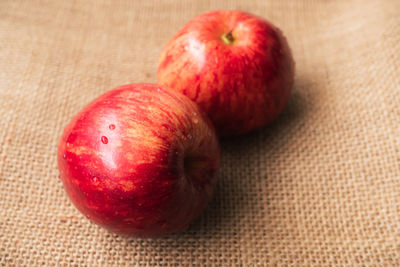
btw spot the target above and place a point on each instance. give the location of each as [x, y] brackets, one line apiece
[193, 165]
[228, 38]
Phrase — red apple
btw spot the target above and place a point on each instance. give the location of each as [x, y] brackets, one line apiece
[236, 66]
[140, 160]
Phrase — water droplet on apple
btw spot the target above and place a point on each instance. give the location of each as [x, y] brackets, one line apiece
[111, 127]
[104, 139]
[64, 156]
[94, 179]
[68, 144]
[158, 89]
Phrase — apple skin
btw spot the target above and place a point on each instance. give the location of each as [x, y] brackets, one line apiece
[236, 66]
[140, 160]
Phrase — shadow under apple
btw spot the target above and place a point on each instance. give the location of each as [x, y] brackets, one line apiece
[242, 176]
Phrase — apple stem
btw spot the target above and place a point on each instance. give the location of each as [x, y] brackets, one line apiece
[228, 38]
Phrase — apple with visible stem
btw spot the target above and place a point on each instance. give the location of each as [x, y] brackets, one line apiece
[140, 160]
[238, 68]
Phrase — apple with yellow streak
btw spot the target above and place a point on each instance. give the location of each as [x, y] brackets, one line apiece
[140, 160]
[236, 66]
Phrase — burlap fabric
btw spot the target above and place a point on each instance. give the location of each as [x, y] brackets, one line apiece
[320, 186]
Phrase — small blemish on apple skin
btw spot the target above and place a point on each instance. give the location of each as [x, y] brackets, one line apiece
[104, 139]
[111, 127]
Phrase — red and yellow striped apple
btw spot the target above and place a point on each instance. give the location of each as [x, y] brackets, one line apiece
[140, 160]
[238, 67]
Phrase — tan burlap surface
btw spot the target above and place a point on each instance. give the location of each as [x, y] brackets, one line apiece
[320, 186]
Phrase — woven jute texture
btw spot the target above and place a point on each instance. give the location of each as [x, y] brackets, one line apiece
[319, 186]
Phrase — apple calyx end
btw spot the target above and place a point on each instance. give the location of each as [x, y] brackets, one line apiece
[228, 38]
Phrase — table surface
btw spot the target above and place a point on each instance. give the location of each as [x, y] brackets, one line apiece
[320, 185]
